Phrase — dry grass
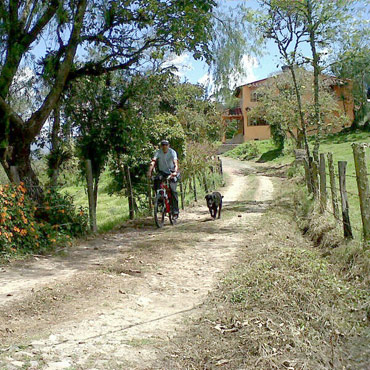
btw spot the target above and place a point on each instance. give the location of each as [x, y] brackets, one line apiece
[284, 306]
[349, 256]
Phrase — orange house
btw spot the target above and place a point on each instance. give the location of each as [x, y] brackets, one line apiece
[258, 129]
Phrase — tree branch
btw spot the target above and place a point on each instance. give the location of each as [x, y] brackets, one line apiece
[37, 120]
[6, 108]
[31, 36]
[97, 69]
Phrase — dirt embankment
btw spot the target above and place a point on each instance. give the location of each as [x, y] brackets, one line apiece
[112, 302]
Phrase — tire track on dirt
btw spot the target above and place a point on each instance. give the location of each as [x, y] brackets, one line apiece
[127, 333]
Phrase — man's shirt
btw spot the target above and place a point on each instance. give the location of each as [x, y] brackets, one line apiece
[165, 161]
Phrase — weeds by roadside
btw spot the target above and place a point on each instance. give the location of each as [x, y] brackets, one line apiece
[284, 306]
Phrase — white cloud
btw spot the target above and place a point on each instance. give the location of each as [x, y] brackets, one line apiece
[207, 81]
[181, 62]
[248, 65]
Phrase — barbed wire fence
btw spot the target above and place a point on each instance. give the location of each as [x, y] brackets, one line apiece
[316, 182]
[139, 194]
[189, 188]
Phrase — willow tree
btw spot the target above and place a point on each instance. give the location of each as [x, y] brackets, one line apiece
[127, 33]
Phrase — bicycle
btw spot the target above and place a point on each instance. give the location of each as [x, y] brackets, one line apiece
[162, 203]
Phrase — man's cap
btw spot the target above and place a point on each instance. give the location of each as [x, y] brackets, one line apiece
[165, 142]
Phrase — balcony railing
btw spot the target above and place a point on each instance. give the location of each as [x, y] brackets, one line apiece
[233, 112]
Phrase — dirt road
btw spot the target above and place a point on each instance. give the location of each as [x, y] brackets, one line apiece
[111, 302]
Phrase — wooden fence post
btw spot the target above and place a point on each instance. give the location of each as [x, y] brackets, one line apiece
[315, 181]
[307, 175]
[323, 194]
[182, 195]
[343, 194]
[131, 201]
[220, 166]
[205, 183]
[213, 177]
[91, 197]
[333, 186]
[359, 154]
[150, 198]
[15, 175]
[195, 188]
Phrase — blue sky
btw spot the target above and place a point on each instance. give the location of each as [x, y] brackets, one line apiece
[256, 68]
[197, 71]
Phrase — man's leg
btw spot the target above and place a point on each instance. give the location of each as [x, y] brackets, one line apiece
[175, 198]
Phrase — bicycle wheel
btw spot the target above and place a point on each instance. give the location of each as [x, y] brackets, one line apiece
[159, 211]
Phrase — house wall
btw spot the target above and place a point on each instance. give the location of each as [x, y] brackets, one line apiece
[252, 132]
[345, 102]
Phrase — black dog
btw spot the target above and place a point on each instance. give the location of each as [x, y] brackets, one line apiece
[214, 202]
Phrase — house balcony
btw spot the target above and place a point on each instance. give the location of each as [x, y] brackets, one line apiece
[232, 113]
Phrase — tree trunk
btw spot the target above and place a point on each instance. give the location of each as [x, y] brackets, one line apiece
[55, 155]
[20, 157]
[316, 73]
[130, 195]
[96, 188]
[301, 115]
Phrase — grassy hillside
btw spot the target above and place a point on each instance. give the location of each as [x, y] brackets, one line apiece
[339, 144]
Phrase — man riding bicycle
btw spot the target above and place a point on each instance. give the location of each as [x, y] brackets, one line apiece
[166, 160]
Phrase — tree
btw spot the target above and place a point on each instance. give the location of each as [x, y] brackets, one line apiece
[125, 34]
[290, 23]
[88, 106]
[324, 20]
[233, 40]
[198, 115]
[351, 60]
[278, 106]
[285, 27]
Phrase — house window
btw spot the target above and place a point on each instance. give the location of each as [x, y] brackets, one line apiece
[257, 122]
[255, 96]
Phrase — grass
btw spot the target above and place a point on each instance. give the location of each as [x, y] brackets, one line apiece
[339, 144]
[282, 305]
[112, 210]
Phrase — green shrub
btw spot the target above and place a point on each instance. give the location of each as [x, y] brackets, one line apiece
[60, 212]
[245, 152]
[22, 230]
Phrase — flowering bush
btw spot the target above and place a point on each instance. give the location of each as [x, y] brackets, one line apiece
[23, 230]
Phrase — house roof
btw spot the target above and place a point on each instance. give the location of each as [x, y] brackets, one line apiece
[331, 79]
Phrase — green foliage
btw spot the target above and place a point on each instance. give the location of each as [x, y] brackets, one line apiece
[352, 60]
[87, 108]
[199, 158]
[167, 126]
[244, 152]
[278, 106]
[231, 129]
[60, 212]
[21, 230]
